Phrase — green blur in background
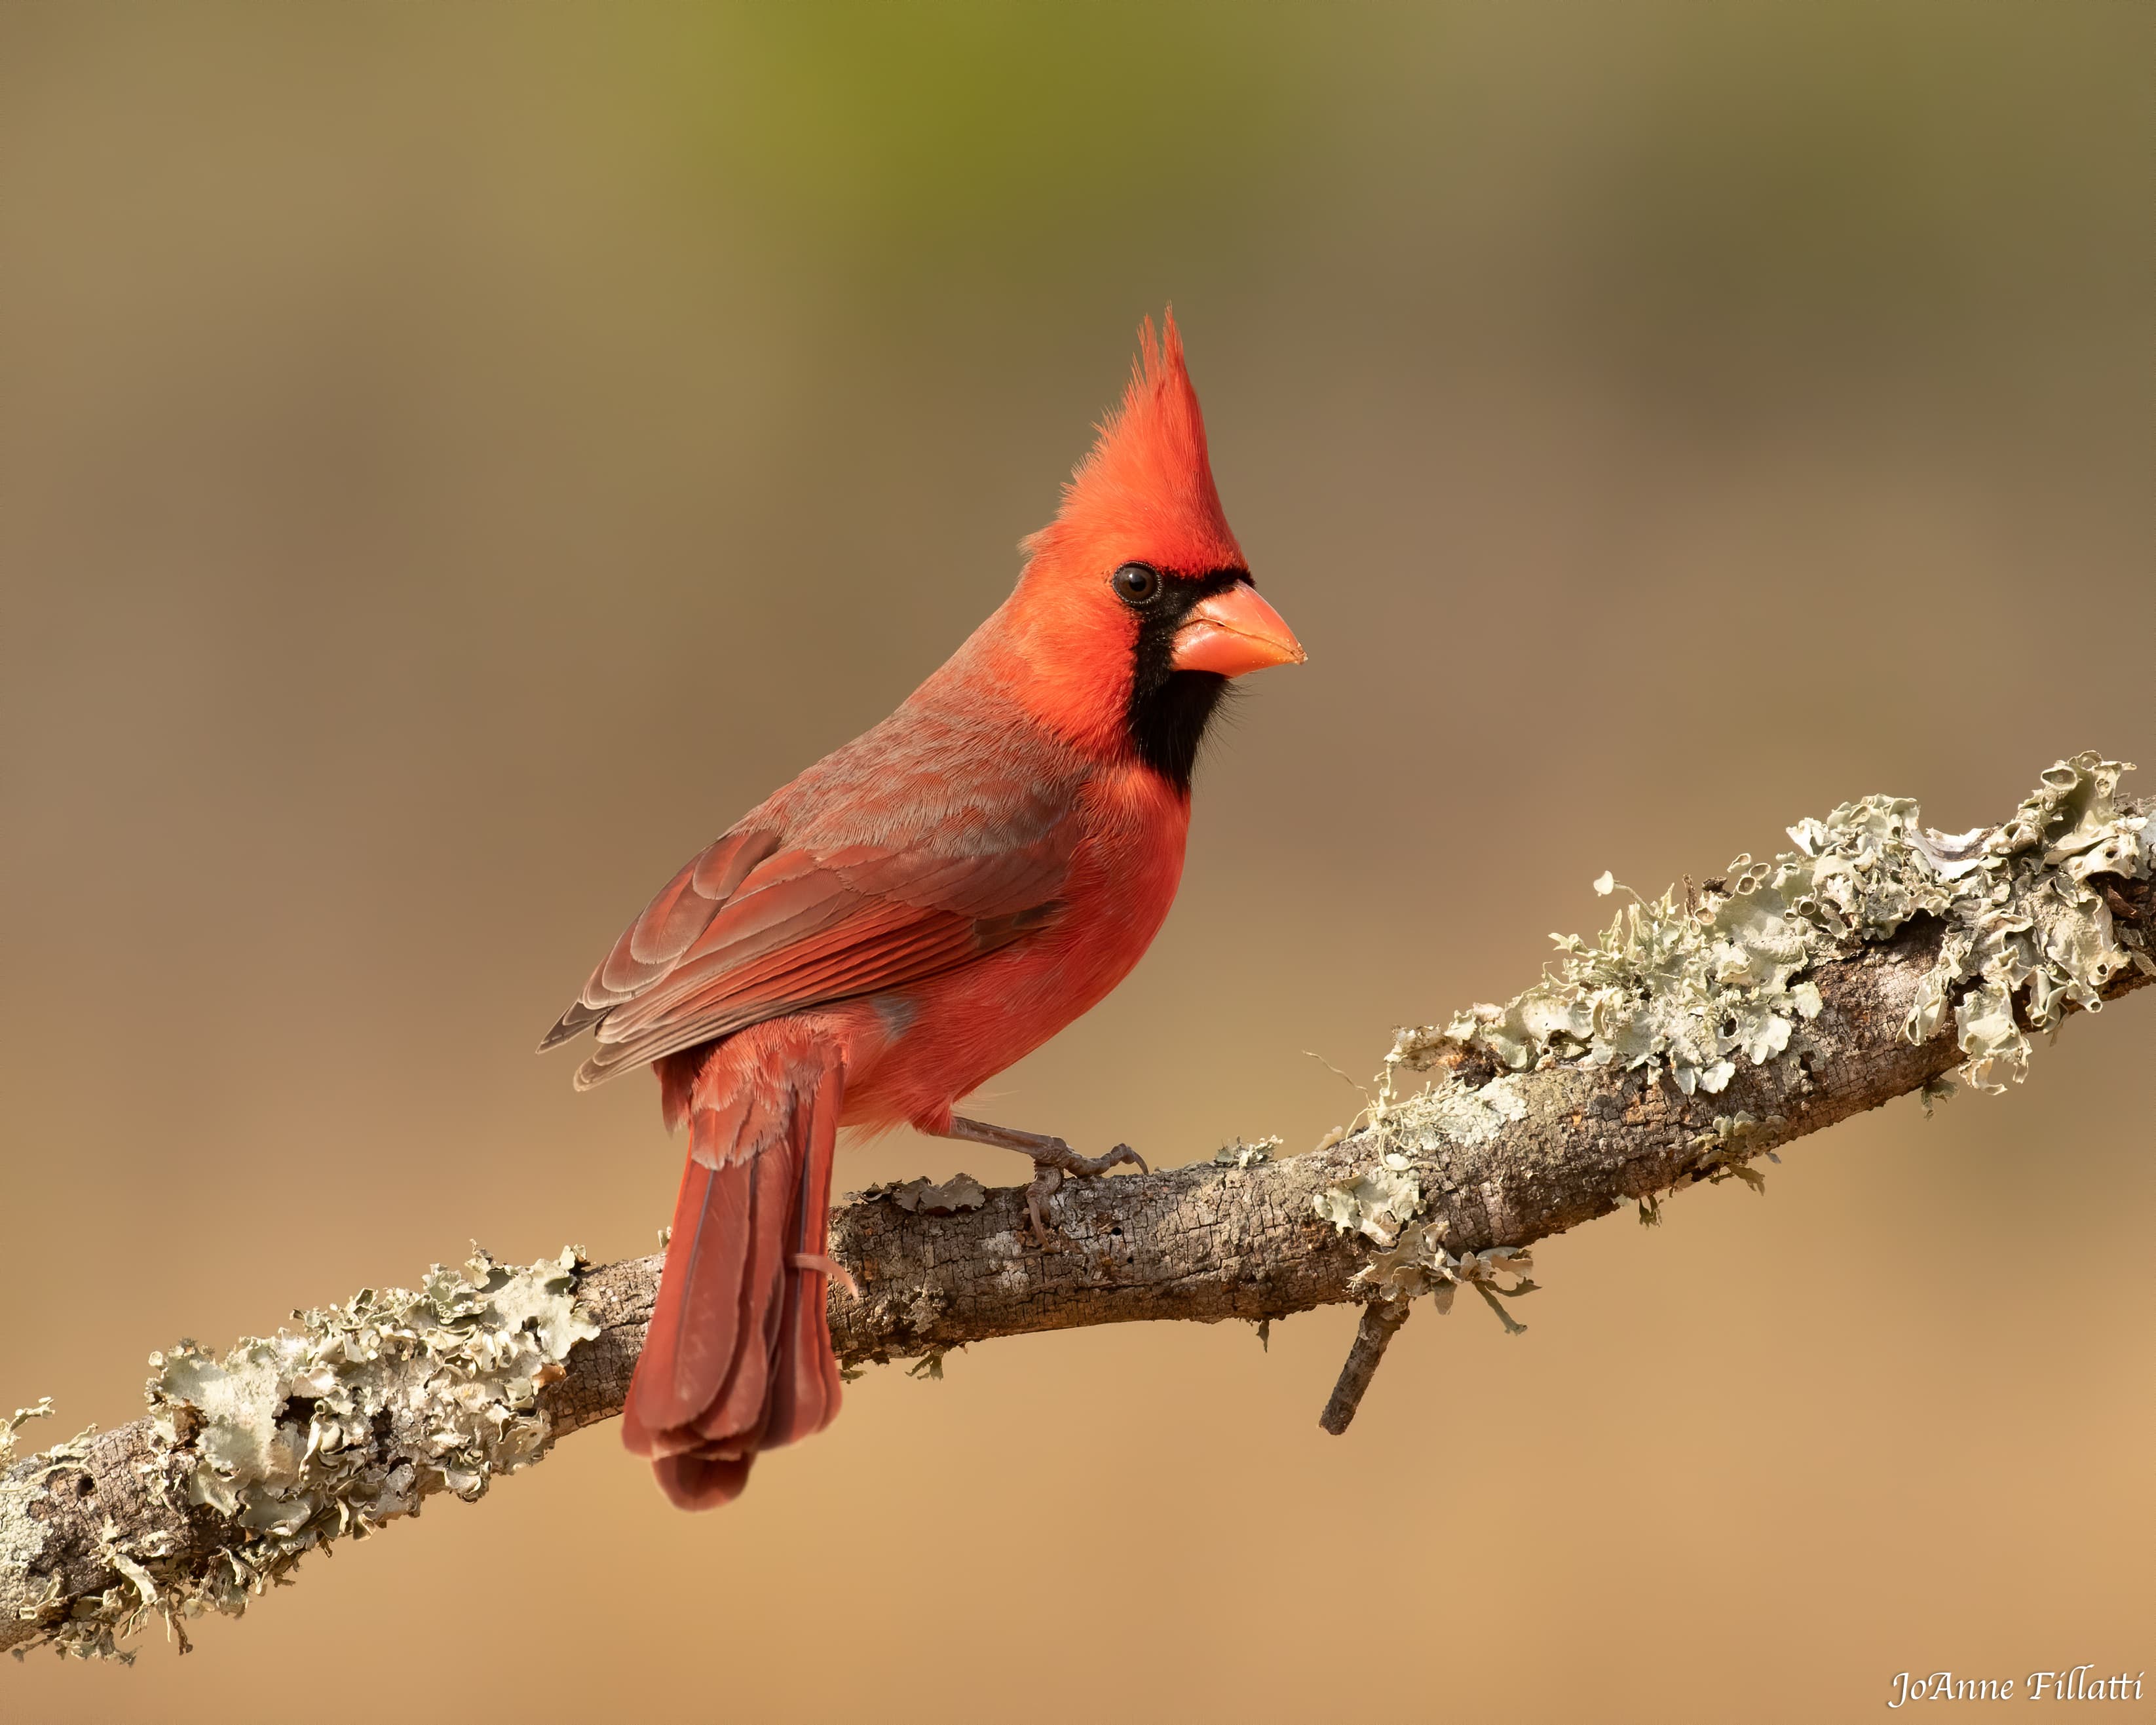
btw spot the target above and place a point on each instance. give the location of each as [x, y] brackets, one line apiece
[455, 460]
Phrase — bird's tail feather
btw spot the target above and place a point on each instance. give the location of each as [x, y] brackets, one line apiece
[738, 1357]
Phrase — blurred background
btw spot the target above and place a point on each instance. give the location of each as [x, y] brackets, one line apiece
[453, 461]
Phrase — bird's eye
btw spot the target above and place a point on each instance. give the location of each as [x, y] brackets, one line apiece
[1135, 584]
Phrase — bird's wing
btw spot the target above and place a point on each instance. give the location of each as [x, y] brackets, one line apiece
[755, 926]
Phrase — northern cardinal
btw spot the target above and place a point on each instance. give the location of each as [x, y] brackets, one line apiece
[915, 912]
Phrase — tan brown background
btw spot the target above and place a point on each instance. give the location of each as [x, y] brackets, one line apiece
[454, 461]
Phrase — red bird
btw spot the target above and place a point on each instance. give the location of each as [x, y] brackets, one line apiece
[914, 913]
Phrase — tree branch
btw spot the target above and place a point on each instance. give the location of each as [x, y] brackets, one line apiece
[1374, 1330]
[1582, 1095]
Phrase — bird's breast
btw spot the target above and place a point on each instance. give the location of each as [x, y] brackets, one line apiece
[952, 1032]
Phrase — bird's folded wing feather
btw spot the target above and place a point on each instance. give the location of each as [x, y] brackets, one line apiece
[753, 928]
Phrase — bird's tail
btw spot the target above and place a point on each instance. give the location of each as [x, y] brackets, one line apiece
[738, 1357]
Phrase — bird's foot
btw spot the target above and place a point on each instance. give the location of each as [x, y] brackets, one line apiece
[1052, 1161]
[1050, 1166]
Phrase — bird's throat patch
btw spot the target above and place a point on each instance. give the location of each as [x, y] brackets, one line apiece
[1170, 708]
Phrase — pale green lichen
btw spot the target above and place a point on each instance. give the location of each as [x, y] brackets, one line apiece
[1374, 1204]
[1458, 1113]
[1690, 984]
[23, 1417]
[1418, 1263]
[85, 1628]
[337, 1426]
[1729, 1155]
[1701, 979]
[1240, 1155]
[1412, 1261]
[21, 1535]
[283, 1427]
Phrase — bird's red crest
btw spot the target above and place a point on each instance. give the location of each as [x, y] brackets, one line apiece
[1145, 493]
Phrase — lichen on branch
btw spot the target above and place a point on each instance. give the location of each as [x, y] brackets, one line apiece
[331, 1427]
[1714, 976]
[1707, 976]
[1702, 1031]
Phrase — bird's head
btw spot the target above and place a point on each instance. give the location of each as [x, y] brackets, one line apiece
[1137, 606]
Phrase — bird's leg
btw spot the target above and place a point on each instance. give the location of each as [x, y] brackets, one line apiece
[1052, 1159]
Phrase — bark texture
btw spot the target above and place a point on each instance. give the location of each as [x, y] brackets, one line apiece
[88, 1530]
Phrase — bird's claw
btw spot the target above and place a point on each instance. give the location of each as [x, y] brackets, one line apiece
[1051, 1162]
[1056, 1154]
[1047, 1178]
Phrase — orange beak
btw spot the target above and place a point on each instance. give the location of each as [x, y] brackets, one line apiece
[1234, 632]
